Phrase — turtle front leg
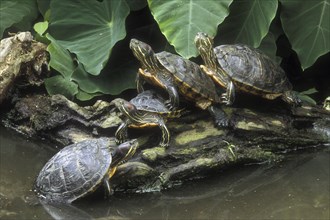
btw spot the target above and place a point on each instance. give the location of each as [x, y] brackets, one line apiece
[108, 190]
[228, 97]
[165, 132]
[121, 133]
[220, 117]
[140, 81]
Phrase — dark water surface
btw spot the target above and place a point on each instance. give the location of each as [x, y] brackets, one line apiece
[298, 188]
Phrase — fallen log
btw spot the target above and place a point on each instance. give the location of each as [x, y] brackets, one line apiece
[197, 148]
[21, 57]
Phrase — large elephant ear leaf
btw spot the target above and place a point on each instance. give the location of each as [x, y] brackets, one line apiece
[307, 25]
[89, 28]
[247, 23]
[180, 21]
[17, 11]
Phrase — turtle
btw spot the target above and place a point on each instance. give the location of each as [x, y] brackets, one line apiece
[78, 169]
[177, 76]
[243, 68]
[147, 109]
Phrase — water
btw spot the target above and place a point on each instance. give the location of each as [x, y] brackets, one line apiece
[297, 188]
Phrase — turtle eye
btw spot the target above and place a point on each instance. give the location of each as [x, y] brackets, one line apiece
[129, 106]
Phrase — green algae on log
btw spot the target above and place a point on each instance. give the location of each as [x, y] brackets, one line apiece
[197, 148]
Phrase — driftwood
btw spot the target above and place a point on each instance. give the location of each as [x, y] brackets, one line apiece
[197, 147]
[20, 56]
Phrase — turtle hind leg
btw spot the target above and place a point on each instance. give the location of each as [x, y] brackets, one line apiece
[229, 96]
[220, 117]
[291, 98]
[173, 102]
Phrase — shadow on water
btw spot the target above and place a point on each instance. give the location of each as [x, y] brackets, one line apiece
[297, 188]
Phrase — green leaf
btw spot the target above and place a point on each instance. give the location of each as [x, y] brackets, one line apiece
[89, 29]
[41, 27]
[306, 99]
[248, 22]
[60, 58]
[16, 11]
[307, 25]
[180, 21]
[268, 46]
[106, 83]
[83, 96]
[59, 85]
[309, 91]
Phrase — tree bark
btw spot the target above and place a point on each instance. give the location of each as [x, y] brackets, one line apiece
[197, 147]
[20, 55]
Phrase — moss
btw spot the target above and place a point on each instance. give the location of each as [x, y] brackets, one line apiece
[277, 123]
[249, 125]
[204, 162]
[186, 151]
[205, 129]
[153, 153]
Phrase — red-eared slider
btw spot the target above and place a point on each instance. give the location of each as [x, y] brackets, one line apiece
[177, 75]
[145, 110]
[243, 68]
[80, 168]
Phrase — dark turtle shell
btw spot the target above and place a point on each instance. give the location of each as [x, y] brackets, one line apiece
[150, 101]
[191, 82]
[79, 168]
[252, 70]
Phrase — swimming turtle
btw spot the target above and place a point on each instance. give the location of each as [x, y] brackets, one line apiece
[244, 68]
[145, 110]
[177, 76]
[80, 168]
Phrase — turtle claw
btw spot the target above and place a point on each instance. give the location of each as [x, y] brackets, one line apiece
[164, 145]
[168, 104]
[223, 122]
[118, 141]
[220, 117]
[225, 100]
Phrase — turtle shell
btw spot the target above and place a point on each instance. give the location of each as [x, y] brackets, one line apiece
[150, 101]
[192, 83]
[252, 70]
[74, 171]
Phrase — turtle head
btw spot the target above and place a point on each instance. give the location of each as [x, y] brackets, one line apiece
[124, 152]
[204, 45]
[123, 106]
[203, 41]
[143, 52]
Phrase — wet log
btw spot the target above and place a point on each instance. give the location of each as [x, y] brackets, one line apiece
[260, 134]
[20, 56]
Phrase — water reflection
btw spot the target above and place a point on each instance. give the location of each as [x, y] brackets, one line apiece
[295, 189]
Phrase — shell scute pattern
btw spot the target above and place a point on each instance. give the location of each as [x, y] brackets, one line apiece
[150, 101]
[74, 171]
[194, 83]
[251, 68]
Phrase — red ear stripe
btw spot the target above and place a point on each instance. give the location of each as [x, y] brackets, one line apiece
[129, 106]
